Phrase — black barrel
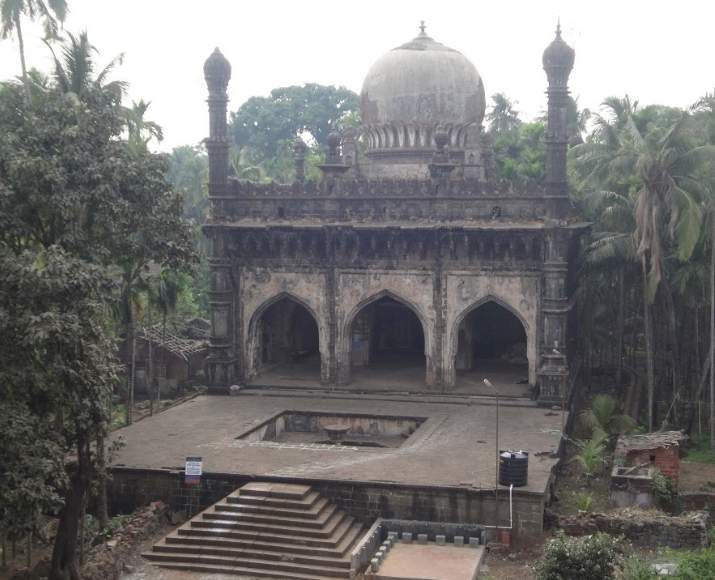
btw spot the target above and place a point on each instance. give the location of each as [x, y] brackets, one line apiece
[513, 468]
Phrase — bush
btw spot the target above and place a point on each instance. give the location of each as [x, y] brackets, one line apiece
[584, 502]
[635, 568]
[696, 565]
[664, 491]
[594, 557]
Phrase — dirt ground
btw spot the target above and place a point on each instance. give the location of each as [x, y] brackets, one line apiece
[696, 476]
[518, 565]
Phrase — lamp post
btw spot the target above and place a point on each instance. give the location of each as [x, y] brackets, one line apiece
[488, 383]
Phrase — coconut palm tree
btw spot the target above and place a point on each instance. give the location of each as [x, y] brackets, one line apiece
[52, 13]
[75, 68]
[649, 156]
[140, 131]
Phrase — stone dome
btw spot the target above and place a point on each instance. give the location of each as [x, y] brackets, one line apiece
[424, 83]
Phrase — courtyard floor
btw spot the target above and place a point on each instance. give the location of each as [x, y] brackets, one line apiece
[404, 375]
[455, 446]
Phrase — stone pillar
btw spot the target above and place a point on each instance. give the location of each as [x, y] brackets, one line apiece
[221, 364]
[553, 371]
[558, 61]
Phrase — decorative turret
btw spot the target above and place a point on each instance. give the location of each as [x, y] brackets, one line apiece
[217, 72]
[558, 61]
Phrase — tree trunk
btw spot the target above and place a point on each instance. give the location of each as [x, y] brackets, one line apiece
[23, 65]
[696, 399]
[65, 564]
[712, 333]
[672, 334]
[131, 341]
[647, 327]
[102, 504]
[620, 328]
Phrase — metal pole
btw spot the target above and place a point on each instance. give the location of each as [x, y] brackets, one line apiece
[488, 383]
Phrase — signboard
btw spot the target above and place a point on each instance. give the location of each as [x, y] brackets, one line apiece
[192, 471]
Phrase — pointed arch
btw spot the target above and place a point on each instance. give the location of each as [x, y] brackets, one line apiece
[452, 351]
[254, 346]
[346, 337]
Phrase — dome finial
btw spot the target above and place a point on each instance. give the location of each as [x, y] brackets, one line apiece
[558, 27]
[423, 27]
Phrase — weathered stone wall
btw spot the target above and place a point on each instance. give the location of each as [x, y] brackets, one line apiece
[130, 489]
[356, 289]
[517, 292]
[262, 287]
[643, 528]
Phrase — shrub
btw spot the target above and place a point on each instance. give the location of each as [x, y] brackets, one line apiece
[591, 453]
[595, 557]
[663, 490]
[635, 568]
[584, 502]
[696, 565]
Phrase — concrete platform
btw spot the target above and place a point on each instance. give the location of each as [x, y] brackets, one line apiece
[429, 562]
[454, 447]
[510, 379]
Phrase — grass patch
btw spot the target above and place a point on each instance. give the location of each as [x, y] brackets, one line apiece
[700, 450]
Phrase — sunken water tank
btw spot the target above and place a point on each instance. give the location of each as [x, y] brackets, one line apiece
[513, 468]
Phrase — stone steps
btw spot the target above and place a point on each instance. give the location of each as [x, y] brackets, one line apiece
[246, 497]
[264, 530]
[308, 519]
[243, 571]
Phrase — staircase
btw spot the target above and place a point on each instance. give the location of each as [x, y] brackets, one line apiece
[266, 530]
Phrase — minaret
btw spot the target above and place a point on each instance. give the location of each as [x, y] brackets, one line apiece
[221, 364]
[558, 61]
[217, 72]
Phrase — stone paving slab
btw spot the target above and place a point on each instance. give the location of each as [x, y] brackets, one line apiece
[454, 447]
[430, 562]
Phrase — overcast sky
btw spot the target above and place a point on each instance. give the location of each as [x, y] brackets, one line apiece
[656, 51]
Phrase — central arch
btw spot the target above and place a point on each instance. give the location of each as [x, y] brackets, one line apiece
[491, 340]
[386, 344]
[284, 343]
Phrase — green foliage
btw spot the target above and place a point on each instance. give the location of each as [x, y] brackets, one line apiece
[85, 217]
[584, 502]
[591, 452]
[595, 557]
[696, 565]
[699, 450]
[520, 153]
[664, 490]
[603, 415]
[264, 128]
[636, 568]
[263, 123]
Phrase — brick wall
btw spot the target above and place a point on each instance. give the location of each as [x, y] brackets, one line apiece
[666, 459]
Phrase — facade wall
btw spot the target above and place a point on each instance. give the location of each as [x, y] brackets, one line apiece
[262, 287]
[440, 303]
[518, 293]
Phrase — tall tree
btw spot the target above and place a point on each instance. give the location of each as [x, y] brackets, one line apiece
[79, 207]
[650, 155]
[264, 128]
[503, 116]
[50, 12]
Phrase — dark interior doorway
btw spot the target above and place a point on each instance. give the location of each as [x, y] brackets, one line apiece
[492, 344]
[287, 342]
[388, 344]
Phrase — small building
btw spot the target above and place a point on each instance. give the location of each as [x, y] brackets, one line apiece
[174, 361]
[660, 450]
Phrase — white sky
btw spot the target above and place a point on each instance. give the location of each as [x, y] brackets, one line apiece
[656, 51]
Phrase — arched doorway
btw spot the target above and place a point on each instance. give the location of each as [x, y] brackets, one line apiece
[286, 345]
[387, 346]
[492, 344]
